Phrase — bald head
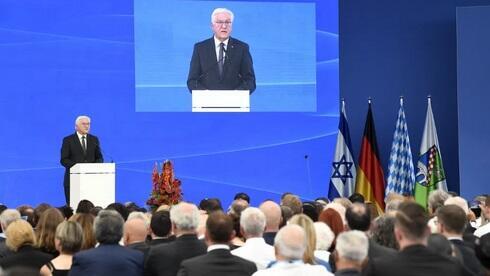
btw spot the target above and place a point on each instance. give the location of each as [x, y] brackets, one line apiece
[290, 243]
[135, 230]
[272, 212]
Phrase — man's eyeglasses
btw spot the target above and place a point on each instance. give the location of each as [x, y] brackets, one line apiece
[223, 23]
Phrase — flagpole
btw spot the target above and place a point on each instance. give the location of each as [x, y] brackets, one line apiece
[401, 100]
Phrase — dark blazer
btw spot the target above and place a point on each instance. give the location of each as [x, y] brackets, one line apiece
[470, 260]
[108, 259]
[238, 72]
[348, 272]
[375, 250]
[165, 259]
[155, 242]
[26, 256]
[414, 260]
[218, 262]
[72, 153]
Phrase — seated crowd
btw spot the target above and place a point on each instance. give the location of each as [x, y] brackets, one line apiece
[344, 237]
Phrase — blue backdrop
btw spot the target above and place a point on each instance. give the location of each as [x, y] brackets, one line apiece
[61, 59]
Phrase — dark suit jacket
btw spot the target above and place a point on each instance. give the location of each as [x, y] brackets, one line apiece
[108, 259]
[414, 260]
[238, 72]
[165, 259]
[72, 153]
[218, 262]
[470, 260]
[26, 256]
[155, 242]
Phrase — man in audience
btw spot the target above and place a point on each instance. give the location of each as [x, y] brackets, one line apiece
[160, 227]
[483, 252]
[165, 259]
[435, 201]
[252, 224]
[243, 196]
[414, 258]
[351, 251]
[451, 222]
[290, 246]
[109, 258]
[135, 233]
[7, 216]
[485, 212]
[218, 261]
[293, 202]
[273, 216]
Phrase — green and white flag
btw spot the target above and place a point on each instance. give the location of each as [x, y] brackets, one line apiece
[430, 175]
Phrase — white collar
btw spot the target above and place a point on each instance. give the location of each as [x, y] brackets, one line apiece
[80, 135]
[217, 42]
[218, 246]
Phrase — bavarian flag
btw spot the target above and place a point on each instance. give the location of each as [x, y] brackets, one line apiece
[430, 172]
[370, 180]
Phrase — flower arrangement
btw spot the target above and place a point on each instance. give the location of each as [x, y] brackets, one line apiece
[166, 188]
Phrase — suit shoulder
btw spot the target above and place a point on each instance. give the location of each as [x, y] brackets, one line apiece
[238, 43]
[71, 136]
[203, 43]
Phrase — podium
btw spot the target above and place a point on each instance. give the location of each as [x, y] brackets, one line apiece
[220, 101]
[93, 181]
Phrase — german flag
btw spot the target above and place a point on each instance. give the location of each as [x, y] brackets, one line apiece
[370, 180]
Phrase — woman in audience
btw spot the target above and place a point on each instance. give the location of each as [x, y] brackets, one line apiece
[86, 221]
[46, 229]
[383, 231]
[68, 240]
[324, 239]
[307, 224]
[332, 218]
[21, 240]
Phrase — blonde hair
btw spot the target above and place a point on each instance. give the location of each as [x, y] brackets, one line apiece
[307, 224]
[70, 236]
[19, 233]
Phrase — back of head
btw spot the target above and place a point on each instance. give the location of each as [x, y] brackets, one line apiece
[352, 245]
[84, 206]
[451, 219]
[185, 216]
[356, 197]
[19, 233]
[135, 230]
[342, 201]
[237, 207]
[412, 219]
[333, 220]
[293, 202]
[482, 250]
[310, 209]
[46, 229]
[120, 208]
[358, 217]
[86, 221]
[7, 217]
[39, 210]
[458, 201]
[70, 236]
[219, 228]
[382, 231]
[252, 222]
[286, 214]
[272, 213]
[210, 205]
[290, 243]
[324, 236]
[243, 196]
[108, 227]
[28, 212]
[160, 224]
[436, 200]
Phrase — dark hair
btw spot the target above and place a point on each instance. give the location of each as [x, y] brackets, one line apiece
[243, 196]
[382, 231]
[210, 205]
[310, 209]
[27, 211]
[120, 208]
[160, 223]
[440, 245]
[38, 211]
[67, 211]
[108, 227]
[95, 211]
[358, 217]
[3, 208]
[219, 227]
[84, 206]
[286, 214]
[412, 219]
[482, 249]
[452, 217]
[356, 197]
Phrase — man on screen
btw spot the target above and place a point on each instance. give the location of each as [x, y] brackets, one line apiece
[79, 147]
[221, 62]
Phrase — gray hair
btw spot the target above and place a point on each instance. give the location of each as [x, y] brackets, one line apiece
[458, 201]
[352, 245]
[290, 242]
[437, 199]
[70, 235]
[7, 216]
[81, 117]
[252, 221]
[222, 10]
[108, 227]
[324, 236]
[140, 215]
[392, 205]
[185, 216]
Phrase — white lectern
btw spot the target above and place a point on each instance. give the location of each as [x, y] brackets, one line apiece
[93, 181]
[220, 101]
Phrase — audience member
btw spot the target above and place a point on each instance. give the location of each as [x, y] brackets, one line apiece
[68, 241]
[160, 228]
[351, 253]
[27, 212]
[135, 233]
[272, 212]
[373, 209]
[435, 201]
[255, 249]
[243, 196]
[235, 212]
[339, 208]
[382, 232]
[345, 202]
[485, 213]
[120, 208]
[84, 206]
[293, 202]
[414, 258]
[165, 259]
[218, 261]
[322, 201]
[38, 211]
[441, 245]
[332, 218]
[46, 230]
[483, 252]
[356, 197]
[109, 258]
[210, 205]
[86, 221]
[290, 246]
[21, 240]
[8, 216]
[286, 214]
[324, 239]
[310, 209]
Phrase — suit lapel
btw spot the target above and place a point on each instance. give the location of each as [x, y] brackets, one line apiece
[230, 50]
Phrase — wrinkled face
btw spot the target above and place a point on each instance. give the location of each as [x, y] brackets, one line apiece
[222, 25]
[83, 126]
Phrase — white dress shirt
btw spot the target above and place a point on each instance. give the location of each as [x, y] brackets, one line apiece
[482, 230]
[216, 47]
[297, 268]
[256, 250]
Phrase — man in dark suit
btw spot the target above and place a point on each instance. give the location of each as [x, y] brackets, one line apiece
[160, 227]
[80, 147]
[221, 62]
[414, 258]
[218, 261]
[165, 259]
[109, 258]
[451, 223]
